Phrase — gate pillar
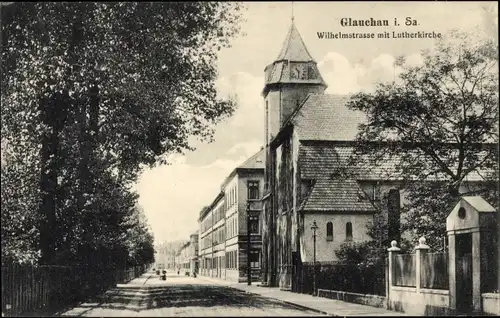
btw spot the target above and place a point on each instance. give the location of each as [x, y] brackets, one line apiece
[470, 227]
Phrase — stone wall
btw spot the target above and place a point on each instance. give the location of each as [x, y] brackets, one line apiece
[363, 299]
[491, 303]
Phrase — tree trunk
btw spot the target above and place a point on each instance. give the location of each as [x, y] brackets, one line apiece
[53, 112]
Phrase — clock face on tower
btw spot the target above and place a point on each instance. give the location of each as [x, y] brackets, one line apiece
[298, 71]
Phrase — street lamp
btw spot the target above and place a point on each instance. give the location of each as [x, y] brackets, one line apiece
[314, 227]
[249, 270]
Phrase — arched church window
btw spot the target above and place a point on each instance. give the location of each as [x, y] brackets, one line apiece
[348, 231]
[329, 231]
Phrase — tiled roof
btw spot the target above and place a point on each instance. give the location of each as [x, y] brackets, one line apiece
[293, 48]
[337, 196]
[254, 162]
[326, 117]
[316, 161]
[341, 192]
[321, 160]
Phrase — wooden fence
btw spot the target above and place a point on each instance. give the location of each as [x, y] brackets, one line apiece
[404, 273]
[45, 289]
[434, 271]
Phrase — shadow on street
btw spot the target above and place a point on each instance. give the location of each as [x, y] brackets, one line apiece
[151, 296]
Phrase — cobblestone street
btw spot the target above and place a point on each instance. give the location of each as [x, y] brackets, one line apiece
[182, 296]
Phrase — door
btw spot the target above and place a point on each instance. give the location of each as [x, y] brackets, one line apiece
[464, 272]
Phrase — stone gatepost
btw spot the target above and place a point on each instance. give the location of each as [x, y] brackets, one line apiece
[392, 251]
[420, 250]
[468, 226]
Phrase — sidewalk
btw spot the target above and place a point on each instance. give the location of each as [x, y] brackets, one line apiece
[141, 280]
[322, 305]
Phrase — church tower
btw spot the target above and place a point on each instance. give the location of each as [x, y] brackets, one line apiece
[288, 80]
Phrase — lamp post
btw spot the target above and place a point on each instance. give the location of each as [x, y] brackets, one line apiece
[249, 269]
[314, 227]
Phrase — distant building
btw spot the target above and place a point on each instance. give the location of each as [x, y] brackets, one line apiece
[184, 258]
[212, 246]
[194, 263]
[223, 224]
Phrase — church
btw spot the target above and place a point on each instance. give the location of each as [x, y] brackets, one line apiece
[309, 135]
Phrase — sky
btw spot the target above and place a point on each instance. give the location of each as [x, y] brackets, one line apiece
[172, 196]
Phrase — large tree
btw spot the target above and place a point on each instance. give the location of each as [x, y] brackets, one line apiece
[91, 92]
[439, 124]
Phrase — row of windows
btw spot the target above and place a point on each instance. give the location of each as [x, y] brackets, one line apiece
[348, 231]
[231, 198]
[209, 263]
[212, 218]
[232, 226]
[219, 235]
[206, 241]
[232, 260]
[207, 223]
[219, 213]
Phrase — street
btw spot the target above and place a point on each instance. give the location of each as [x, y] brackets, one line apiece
[182, 296]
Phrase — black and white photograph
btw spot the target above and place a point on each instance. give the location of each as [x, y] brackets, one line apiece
[226, 158]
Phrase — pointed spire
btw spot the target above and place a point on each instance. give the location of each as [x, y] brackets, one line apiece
[293, 48]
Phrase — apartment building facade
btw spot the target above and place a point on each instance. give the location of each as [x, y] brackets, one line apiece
[184, 258]
[223, 224]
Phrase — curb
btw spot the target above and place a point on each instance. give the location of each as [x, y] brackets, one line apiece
[279, 300]
[292, 304]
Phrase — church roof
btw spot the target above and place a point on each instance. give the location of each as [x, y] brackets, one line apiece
[293, 48]
[326, 117]
[337, 182]
[322, 160]
[337, 196]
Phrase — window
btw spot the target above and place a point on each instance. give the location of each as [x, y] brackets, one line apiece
[348, 231]
[254, 259]
[329, 231]
[235, 196]
[254, 226]
[253, 190]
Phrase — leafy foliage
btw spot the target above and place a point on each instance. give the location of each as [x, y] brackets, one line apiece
[440, 126]
[91, 93]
